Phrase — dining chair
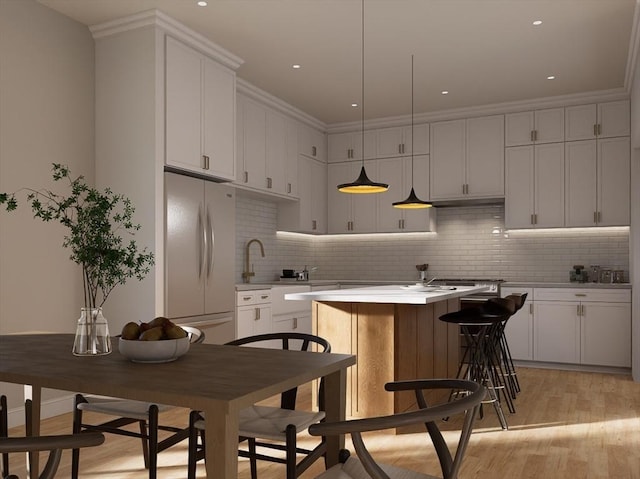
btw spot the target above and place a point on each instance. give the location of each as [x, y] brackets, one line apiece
[365, 466]
[277, 425]
[128, 412]
[34, 444]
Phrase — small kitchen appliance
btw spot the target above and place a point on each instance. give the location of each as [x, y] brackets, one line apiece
[578, 274]
[617, 276]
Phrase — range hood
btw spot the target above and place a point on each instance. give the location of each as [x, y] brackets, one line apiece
[467, 202]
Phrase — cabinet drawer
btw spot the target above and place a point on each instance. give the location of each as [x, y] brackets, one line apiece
[582, 295]
[280, 306]
[244, 298]
[297, 323]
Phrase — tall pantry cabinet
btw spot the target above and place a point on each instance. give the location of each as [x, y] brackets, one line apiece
[132, 130]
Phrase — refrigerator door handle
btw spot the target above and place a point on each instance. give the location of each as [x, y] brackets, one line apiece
[210, 245]
[200, 242]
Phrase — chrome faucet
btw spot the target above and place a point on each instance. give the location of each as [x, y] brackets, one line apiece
[248, 268]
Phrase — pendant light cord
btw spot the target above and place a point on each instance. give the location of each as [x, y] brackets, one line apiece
[362, 90]
[412, 121]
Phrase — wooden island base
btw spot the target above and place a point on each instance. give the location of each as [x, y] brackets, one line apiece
[391, 342]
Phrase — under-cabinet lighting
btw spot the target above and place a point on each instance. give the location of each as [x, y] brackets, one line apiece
[585, 230]
[358, 236]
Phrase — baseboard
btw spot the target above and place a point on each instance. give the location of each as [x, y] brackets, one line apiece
[573, 367]
[49, 408]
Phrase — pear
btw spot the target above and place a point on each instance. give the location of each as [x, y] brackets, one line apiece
[130, 331]
[159, 321]
[173, 331]
[152, 334]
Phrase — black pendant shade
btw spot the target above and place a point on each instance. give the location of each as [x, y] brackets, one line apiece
[363, 184]
[412, 202]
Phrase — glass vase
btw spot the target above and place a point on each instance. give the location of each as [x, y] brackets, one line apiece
[92, 334]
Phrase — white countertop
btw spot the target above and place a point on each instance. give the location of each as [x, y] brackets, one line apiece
[396, 294]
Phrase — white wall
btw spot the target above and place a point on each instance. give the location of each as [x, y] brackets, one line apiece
[46, 116]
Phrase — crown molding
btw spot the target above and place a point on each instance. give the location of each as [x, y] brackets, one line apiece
[157, 18]
[249, 90]
[484, 110]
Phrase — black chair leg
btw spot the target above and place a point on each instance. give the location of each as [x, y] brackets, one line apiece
[252, 458]
[4, 432]
[291, 445]
[145, 444]
[153, 441]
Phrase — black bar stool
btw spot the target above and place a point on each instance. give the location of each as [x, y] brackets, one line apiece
[482, 328]
[519, 300]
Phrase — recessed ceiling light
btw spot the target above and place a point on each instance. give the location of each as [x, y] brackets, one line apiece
[445, 92]
[202, 3]
[537, 22]
[551, 77]
[296, 66]
[355, 105]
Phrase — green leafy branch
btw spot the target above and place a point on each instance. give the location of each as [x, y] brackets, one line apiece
[97, 222]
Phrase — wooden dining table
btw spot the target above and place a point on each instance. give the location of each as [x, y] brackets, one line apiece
[218, 380]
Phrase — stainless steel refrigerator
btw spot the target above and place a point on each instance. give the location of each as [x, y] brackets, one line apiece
[200, 255]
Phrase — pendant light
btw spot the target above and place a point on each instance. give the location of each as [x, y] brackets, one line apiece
[363, 184]
[412, 201]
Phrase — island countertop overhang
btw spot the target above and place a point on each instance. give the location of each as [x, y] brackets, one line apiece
[394, 294]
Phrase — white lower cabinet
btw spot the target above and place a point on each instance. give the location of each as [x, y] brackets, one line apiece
[582, 326]
[519, 328]
[253, 312]
[290, 316]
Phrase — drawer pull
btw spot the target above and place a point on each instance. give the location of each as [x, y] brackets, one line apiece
[246, 298]
[264, 296]
[581, 295]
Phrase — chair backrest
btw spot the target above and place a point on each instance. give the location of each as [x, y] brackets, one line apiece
[466, 403]
[195, 335]
[518, 298]
[289, 341]
[53, 444]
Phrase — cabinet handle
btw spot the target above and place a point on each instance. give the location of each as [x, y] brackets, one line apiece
[599, 216]
[246, 298]
[288, 187]
[399, 224]
[314, 224]
[595, 216]
[264, 296]
[314, 151]
[295, 323]
[578, 309]
[599, 129]
[595, 129]
[257, 314]
[583, 308]
[533, 135]
[532, 219]
[205, 162]
[246, 177]
[530, 308]
[580, 295]
[535, 218]
[269, 182]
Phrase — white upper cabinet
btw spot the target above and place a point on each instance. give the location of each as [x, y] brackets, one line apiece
[602, 120]
[267, 149]
[529, 127]
[312, 143]
[350, 213]
[597, 182]
[348, 146]
[534, 186]
[200, 112]
[309, 214]
[447, 169]
[467, 158]
[397, 173]
[397, 141]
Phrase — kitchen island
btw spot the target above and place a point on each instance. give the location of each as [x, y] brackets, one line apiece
[395, 333]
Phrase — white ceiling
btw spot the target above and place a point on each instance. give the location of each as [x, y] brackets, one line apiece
[481, 51]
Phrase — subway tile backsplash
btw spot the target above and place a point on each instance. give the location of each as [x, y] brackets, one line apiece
[470, 241]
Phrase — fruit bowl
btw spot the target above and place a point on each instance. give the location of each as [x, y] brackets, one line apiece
[161, 351]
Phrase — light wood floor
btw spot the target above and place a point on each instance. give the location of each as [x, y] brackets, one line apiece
[567, 425]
